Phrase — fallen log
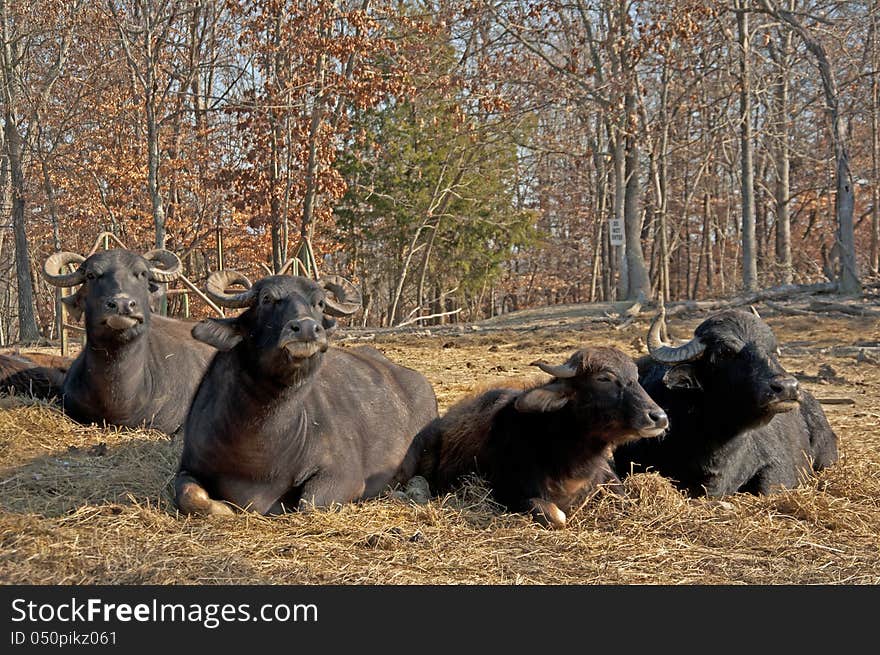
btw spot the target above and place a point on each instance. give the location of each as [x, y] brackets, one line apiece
[787, 311]
[842, 308]
[853, 351]
[783, 292]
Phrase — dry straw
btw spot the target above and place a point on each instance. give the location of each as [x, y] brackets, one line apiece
[83, 504]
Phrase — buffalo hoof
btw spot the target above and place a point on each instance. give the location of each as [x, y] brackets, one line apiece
[193, 499]
[417, 490]
[547, 513]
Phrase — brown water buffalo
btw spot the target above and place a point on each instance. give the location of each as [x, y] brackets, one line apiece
[282, 420]
[739, 422]
[136, 368]
[33, 374]
[542, 447]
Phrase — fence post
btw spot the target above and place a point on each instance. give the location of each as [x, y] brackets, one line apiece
[61, 312]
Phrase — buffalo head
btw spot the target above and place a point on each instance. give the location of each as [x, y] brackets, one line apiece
[115, 288]
[601, 388]
[733, 361]
[286, 322]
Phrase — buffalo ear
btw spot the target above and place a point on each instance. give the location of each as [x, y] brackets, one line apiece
[329, 324]
[222, 333]
[74, 304]
[682, 376]
[546, 398]
[156, 293]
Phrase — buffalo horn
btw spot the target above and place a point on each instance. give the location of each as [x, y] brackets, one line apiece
[342, 297]
[667, 354]
[55, 265]
[560, 371]
[216, 289]
[169, 262]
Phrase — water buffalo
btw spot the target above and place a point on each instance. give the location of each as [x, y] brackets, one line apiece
[33, 374]
[739, 422]
[281, 420]
[136, 368]
[541, 447]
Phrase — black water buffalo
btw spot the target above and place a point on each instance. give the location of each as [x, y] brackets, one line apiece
[281, 420]
[542, 447]
[739, 422]
[136, 368]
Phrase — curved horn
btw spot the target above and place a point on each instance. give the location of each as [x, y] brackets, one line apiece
[666, 354]
[169, 262]
[342, 299]
[56, 263]
[560, 371]
[216, 289]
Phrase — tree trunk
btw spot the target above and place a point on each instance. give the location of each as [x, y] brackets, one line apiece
[312, 163]
[597, 252]
[761, 217]
[28, 331]
[608, 268]
[153, 158]
[638, 284]
[750, 264]
[705, 249]
[601, 197]
[619, 152]
[275, 218]
[783, 161]
[426, 260]
[875, 148]
[660, 178]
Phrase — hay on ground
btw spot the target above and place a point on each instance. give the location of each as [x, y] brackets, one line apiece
[85, 504]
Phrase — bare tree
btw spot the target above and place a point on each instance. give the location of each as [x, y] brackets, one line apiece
[781, 56]
[24, 95]
[747, 180]
[875, 143]
[144, 28]
[845, 200]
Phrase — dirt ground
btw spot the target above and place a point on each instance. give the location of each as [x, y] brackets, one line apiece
[91, 505]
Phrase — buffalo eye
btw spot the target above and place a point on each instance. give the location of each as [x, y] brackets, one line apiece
[607, 378]
[320, 304]
[90, 275]
[725, 352]
[142, 275]
[267, 300]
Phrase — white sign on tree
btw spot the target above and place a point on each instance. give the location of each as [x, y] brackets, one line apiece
[615, 226]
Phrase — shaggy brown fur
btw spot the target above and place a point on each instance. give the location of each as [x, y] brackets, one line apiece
[33, 374]
[43, 359]
[542, 446]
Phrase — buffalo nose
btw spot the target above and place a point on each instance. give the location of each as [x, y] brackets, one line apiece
[121, 304]
[784, 386]
[306, 329]
[658, 416]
